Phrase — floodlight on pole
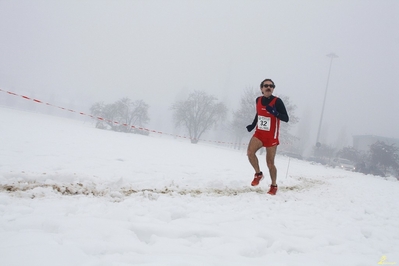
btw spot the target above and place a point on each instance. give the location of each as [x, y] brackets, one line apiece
[332, 56]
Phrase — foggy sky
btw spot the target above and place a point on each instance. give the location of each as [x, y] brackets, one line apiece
[159, 51]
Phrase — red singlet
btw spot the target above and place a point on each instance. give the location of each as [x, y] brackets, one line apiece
[268, 126]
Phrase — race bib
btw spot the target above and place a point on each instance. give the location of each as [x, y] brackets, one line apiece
[263, 123]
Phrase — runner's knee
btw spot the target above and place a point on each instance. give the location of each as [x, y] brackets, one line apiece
[250, 152]
[270, 164]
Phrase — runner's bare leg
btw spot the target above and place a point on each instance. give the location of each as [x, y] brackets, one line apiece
[254, 145]
[270, 155]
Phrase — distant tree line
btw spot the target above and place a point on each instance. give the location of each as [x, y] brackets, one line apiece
[197, 114]
[381, 159]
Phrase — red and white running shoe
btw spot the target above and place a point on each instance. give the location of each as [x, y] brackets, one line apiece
[272, 190]
[257, 178]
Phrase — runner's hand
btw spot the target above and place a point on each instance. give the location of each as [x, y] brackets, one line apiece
[250, 128]
[272, 110]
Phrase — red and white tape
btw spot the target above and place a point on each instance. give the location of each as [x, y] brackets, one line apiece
[113, 122]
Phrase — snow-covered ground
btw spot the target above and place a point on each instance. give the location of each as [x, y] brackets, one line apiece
[71, 194]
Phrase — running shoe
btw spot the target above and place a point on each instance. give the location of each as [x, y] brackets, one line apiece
[258, 177]
[272, 190]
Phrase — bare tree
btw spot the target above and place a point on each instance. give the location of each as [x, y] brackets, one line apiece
[289, 140]
[244, 115]
[198, 113]
[102, 113]
[121, 115]
[131, 113]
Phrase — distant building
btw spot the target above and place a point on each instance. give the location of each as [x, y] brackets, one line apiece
[363, 142]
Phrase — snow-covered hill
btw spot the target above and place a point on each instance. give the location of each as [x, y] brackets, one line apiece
[71, 194]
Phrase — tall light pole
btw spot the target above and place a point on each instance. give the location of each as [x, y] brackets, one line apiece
[332, 56]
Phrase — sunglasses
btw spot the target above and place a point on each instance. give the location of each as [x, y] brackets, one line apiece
[268, 85]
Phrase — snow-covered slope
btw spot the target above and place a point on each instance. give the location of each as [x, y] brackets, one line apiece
[71, 194]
